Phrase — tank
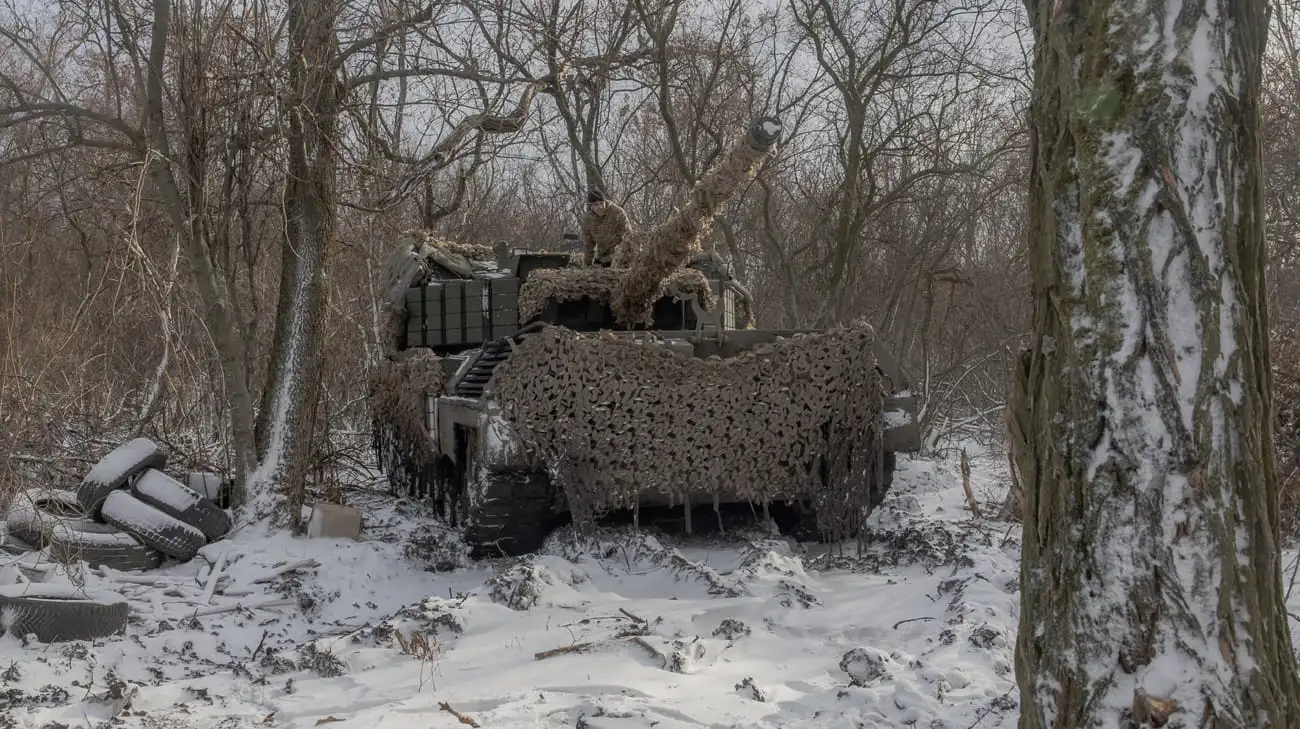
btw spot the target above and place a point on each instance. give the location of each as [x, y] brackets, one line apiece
[520, 389]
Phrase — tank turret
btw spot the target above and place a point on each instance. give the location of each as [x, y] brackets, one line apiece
[656, 254]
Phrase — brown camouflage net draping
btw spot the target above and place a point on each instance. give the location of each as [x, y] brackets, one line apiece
[613, 418]
[600, 284]
[654, 254]
[399, 388]
[471, 251]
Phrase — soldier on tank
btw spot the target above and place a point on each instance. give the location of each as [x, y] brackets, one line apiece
[604, 227]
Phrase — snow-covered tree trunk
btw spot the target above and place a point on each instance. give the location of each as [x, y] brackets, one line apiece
[1152, 591]
[293, 388]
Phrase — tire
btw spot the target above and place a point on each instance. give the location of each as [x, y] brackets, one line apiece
[172, 498]
[115, 469]
[15, 547]
[152, 527]
[100, 545]
[61, 612]
[33, 512]
[512, 518]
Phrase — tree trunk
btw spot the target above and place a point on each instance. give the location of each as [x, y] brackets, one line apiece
[1152, 589]
[185, 214]
[293, 387]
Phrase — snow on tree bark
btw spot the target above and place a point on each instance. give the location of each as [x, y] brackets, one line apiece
[1152, 590]
[293, 388]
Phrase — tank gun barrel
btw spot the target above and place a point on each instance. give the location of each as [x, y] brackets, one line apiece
[670, 245]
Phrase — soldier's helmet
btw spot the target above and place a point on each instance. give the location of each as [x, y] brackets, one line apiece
[765, 132]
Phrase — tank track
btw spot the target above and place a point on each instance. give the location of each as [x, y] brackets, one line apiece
[512, 519]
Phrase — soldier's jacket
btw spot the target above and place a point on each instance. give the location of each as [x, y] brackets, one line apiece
[602, 234]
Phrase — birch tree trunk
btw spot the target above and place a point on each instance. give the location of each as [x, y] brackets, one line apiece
[293, 387]
[1152, 591]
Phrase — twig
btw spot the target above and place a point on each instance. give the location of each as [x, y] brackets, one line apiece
[653, 651]
[1294, 573]
[260, 643]
[459, 716]
[141, 580]
[253, 605]
[909, 620]
[989, 709]
[212, 579]
[575, 648]
[965, 485]
[286, 568]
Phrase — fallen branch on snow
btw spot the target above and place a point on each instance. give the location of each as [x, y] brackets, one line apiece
[575, 648]
[459, 716]
[212, 579]
[291, 567]
[251, 605]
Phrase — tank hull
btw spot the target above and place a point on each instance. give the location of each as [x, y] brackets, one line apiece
[512, 478]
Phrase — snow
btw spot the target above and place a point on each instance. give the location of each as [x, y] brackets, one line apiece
[55, 591]
[59, 499]
[633, 630]
[897, 418]
[81, 531]
[113, 467]
[616, 629]
[164, 489]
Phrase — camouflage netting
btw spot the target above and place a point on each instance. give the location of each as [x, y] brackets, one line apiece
[398, 390]
[599, 284]
[613, 418]
[470, 251]
[657, 253]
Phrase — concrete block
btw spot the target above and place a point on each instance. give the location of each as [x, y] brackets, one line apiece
[331, 521]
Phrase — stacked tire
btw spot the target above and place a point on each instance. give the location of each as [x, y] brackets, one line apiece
[126, 514]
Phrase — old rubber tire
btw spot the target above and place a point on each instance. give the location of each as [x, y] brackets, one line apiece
[152, 527]
[61, 612]
[173, 498]
[99, 545]
[512, 517]
[15, 547]
[114, 470]
[33, 512]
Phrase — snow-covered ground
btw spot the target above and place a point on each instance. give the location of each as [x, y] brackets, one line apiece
[617, 630]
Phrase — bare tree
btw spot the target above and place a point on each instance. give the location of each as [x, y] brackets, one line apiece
[1151, 585]
[903, 81]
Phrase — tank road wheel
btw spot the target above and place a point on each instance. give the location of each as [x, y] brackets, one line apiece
[512, 516]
